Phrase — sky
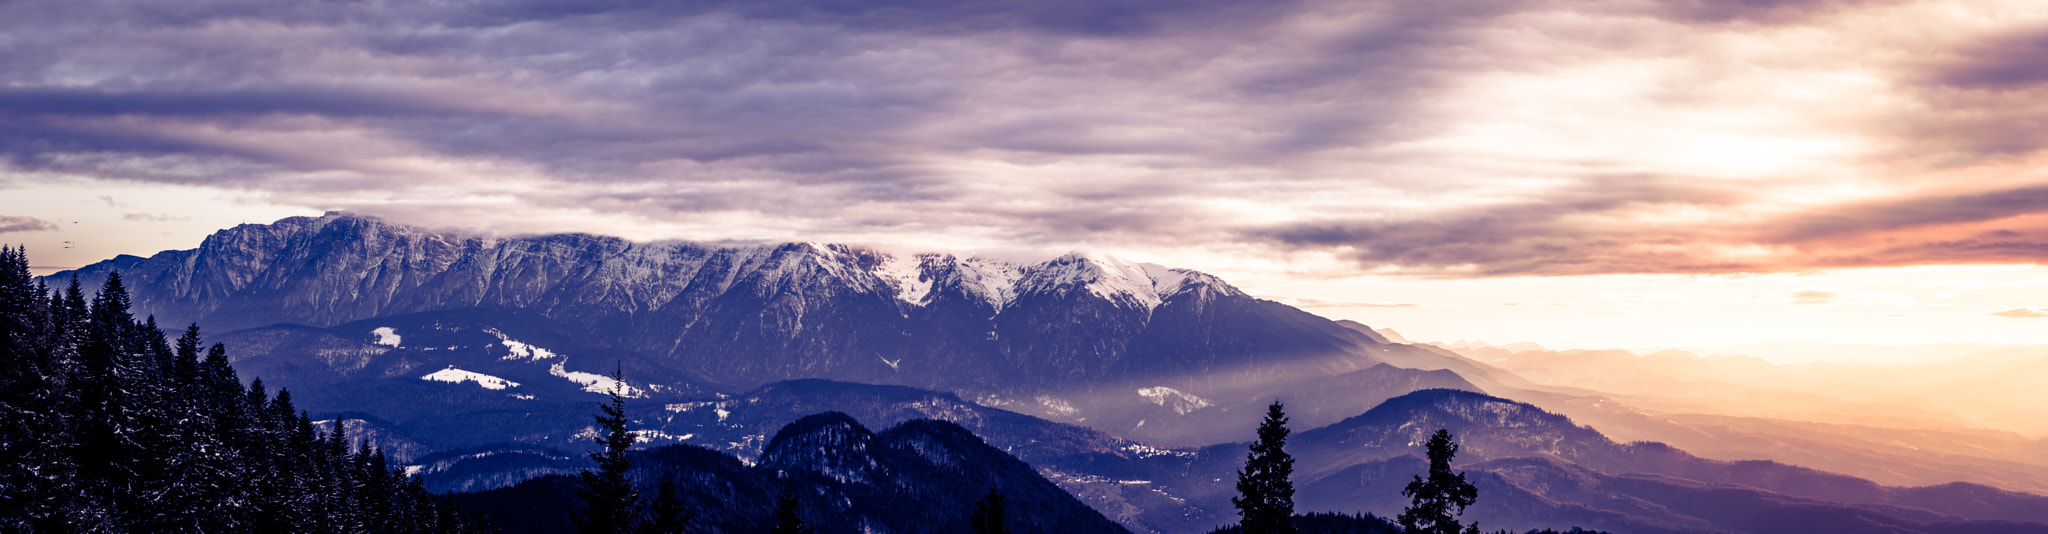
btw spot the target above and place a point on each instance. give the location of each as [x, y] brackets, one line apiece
[1580, 174]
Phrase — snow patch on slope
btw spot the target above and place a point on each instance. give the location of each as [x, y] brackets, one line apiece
[1057, 405]
[457, 376]
[994, 282]
[1181, 403]
[596, 383]
[906, 275]
[1116, 279]
[518, 350]
[386, 336]
[1139, 285]
[644, 436]
[1166, 281]
[1144, 451]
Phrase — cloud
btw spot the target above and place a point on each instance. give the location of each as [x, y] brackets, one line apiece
[154, 217]
[1319, 302]
[2022, 313]
[17, 223]
[1814, 297]
[1481, 138]
[1584, 228]
[1833, 222]
[1757, 11]
[2004, 61]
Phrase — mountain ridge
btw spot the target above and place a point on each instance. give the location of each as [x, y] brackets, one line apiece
[796, 303]
[1077, 337]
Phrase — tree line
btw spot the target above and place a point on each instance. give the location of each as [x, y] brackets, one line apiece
[110, 426]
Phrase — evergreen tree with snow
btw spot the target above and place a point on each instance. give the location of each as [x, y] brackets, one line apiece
[112, 427]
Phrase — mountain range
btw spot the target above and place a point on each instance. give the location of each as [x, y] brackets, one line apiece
[1116, 345]
[1130, 386]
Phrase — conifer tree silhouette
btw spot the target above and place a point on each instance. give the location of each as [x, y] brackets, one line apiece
[988, 515]
[1265, 495]
[612, 506]
[1431, 511]
[786, 520]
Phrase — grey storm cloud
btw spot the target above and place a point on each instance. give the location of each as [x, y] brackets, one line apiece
[1207, 123]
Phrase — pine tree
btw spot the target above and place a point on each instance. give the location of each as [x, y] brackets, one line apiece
[786, 520]
[668, 515]
[988, 515]
[31, 423]
[1432, 512]
[1265, 498]
[110, 427]
[611, 506]
[340, 486]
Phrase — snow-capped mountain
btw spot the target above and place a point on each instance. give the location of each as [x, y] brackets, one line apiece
[338, 268]
[1062, 337]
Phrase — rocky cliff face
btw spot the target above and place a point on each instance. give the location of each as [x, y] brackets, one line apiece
[755, 314]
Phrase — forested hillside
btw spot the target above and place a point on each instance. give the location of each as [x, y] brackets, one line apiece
[108, 425]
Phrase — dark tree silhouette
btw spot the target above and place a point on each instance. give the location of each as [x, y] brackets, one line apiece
[1265, 495]
[668, 517]
[611, 506]
[1432, 512]
[109, 426]
[988, 515]
[786, 520]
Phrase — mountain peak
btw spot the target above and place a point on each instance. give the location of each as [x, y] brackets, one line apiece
[831, 443]
[1132, 284]
[1464, 407]
[1486, 426]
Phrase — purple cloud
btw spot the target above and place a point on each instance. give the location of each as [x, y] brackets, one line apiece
[17, 223]
[1479, 138]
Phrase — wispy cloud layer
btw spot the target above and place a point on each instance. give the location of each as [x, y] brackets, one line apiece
[1433, 138]
[24, 224]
